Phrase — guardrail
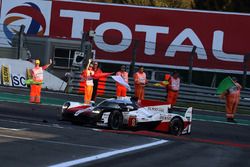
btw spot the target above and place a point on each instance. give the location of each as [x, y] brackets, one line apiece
[188, 93]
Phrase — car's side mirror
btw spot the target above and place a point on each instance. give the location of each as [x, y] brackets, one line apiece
[127, 108]
[130, 108]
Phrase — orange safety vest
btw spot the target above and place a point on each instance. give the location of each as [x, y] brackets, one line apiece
[88, 74]
[37, 74]
[175, 84]
[124, 75]
[140, 78]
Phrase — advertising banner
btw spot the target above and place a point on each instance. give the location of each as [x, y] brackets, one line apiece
[165, 37]
[18, 80]
[5, 75]
[34, 15]
[16, 72]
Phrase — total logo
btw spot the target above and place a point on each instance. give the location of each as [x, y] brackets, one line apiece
[27, 14]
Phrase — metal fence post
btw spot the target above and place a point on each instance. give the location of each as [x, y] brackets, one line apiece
[246, 58]
[191, 61]
[132, 64]
[86, 48]
[20, 41]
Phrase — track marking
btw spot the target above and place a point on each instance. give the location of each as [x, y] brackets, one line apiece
[16, 137]
[55, 142]
[48, 141]
[107, 154]
[12, 129]
[36, 124]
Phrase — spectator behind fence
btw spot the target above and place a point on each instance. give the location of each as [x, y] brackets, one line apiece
[140, 81]
[121, 91]
[173, 89]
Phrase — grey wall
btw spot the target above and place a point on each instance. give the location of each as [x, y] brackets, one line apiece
[12, 53]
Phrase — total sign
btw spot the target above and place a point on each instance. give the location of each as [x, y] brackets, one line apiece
[34, 15]
[165, 37]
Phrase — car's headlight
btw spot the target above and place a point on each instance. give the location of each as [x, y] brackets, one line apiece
[65, 106]
[96, 111]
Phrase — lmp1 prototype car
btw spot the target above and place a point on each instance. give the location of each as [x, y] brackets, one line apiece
[119, 113]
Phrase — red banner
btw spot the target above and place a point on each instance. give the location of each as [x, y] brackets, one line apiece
[222, 39]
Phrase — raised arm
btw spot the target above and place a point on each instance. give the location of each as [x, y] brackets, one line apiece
[90, 60]
[47, 65]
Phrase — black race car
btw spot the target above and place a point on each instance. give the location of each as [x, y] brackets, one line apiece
[127, 112]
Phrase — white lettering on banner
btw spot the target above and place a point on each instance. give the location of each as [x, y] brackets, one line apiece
[78, 20]
[176, 45]
[79, 17]
[126, 37]
[162, 38]
[151, 35]
[218, 52]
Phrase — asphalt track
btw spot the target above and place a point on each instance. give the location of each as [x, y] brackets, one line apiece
[32, 135]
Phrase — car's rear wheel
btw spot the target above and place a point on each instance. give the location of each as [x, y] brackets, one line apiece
[115, 120]
[176, 126]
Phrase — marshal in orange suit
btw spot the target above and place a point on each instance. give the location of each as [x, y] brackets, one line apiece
[232, 100]
[140, 80]
[121, 91]
[37, 77]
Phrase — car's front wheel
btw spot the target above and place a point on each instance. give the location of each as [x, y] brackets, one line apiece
[176, 126]
[115, 120]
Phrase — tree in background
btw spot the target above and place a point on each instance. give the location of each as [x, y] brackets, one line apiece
[159, 3]
[223, 5]
[216, 5]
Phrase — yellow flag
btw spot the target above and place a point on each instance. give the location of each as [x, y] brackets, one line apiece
[163, 83]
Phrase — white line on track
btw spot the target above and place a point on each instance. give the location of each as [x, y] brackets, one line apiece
[107, 154]
[16, 137]
[13, 129]
[35, 124]
[56, 142]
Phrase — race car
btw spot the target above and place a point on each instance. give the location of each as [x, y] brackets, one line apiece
[128, 112]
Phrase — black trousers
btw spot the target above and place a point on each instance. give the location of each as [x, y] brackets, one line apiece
[95, 87]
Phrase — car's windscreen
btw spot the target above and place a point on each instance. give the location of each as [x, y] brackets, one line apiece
[109, 104]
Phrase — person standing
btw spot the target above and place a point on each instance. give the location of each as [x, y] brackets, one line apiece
[140, 80]
[87, 75]
[96, 78]
[232, 100]
[37, 80]
[173, 89]
[121, 91]
[166, 83]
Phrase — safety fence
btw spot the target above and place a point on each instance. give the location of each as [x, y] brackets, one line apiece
[188, 93]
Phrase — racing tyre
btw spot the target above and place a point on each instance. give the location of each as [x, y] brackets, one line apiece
[176, 126]
[115, 120]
